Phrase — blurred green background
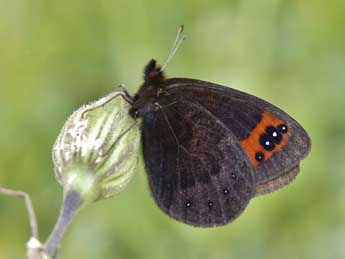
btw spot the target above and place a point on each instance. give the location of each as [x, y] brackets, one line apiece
[58, 55]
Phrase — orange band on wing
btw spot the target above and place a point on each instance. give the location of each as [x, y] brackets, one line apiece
[252, 145]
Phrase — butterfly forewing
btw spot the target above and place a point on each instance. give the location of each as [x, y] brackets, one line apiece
[273, 142]
[197, 170]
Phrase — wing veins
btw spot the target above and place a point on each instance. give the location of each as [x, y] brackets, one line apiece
[198, 125]
[181, 147]
[172, 131]
[195, 124]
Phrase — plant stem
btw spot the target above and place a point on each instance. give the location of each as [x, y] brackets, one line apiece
[29, 208]
[70, 206]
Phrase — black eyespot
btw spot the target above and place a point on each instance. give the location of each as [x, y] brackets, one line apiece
[210, 204]
[226, 191]
[274, 134]
[282, 128]
[259, 156]
[188, 204]
[233, 176]
[266, 142]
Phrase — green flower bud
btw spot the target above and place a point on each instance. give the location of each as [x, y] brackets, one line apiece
[96, 151]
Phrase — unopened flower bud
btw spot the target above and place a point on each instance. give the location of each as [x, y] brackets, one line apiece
[96, 151]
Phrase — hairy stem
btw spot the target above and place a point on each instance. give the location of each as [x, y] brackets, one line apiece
[70, 206]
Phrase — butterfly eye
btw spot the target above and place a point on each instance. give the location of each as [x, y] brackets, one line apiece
[136, 114]
[274, 134]
[266, 142]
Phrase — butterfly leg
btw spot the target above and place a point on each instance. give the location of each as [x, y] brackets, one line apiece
[167, 105]
[125, 95]
[108, 98]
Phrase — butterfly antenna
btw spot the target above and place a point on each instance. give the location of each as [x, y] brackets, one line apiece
[180, 37]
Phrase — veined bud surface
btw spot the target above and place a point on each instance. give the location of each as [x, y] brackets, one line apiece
[97, 149]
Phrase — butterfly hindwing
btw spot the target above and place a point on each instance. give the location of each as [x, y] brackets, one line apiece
[253, 122]
[198, 173]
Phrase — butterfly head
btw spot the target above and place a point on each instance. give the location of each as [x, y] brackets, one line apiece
[153, 73]
[145, 100]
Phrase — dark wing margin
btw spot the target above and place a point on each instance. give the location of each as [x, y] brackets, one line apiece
[240, 113]
[197, 171]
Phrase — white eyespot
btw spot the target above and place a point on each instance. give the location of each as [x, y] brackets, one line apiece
[267, 143]
[274, 134]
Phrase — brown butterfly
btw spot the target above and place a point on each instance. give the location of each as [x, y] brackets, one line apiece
[209, 149]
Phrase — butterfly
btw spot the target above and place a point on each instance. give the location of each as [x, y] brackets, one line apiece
[209, 149]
